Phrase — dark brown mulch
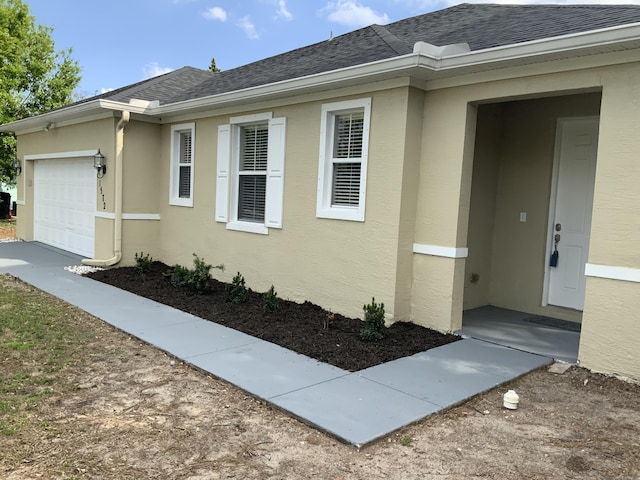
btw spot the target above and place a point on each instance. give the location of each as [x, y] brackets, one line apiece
[297, 326]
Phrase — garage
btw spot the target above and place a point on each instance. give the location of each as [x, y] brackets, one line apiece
[65, 204]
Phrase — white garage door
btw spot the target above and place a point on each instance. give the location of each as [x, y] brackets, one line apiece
[65, 204]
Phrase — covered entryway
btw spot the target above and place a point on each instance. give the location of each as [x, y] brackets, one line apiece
[65, 204]
[574, 176]
[519, 192]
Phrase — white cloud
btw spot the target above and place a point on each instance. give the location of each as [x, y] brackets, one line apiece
[249, 28]
[353, 14]
[105, 90]
[283, 12]
[153, 69]
[215, 13]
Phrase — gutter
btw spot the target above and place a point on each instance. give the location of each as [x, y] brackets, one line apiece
[117, 227]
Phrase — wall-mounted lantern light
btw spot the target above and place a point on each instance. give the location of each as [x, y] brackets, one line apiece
[99, 164]
[17, 165]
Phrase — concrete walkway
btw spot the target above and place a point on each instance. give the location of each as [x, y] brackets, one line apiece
[355, 407]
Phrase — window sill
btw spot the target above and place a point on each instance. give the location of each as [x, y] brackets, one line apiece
[337, 213]
[248, 227]
[181, 202]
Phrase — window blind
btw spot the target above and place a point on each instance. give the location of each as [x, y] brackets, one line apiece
[251, 197]
[346, 184]
[184, 185]
[185, 147]
[349, 130]
[254, 146]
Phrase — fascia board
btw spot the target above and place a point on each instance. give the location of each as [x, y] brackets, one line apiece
[83, 112]
[27, 125]
[572, 43]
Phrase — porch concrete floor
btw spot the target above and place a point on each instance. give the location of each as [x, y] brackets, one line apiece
[514, 329]
[356, 407]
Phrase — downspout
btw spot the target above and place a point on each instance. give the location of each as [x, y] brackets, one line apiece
[117, 227]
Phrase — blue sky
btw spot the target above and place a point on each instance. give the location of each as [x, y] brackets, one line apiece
[119, 42]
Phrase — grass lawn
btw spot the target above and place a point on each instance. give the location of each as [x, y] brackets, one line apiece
[39, 340]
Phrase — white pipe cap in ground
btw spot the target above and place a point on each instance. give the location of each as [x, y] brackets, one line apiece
[511, 400]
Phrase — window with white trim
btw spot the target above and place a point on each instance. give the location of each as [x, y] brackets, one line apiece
[181, 174]
[342, 170]
[250, 173]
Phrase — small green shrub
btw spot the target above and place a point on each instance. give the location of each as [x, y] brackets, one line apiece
[200, 275]
[179, 276]
[373, 321]
[236, 290]
[143, 263]
[270, 299]
[196, 279]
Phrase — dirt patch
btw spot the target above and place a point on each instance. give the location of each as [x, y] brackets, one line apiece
[304, 328]
[7, 229]
[123, 409]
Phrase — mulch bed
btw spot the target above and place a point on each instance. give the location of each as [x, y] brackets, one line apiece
[301, 327]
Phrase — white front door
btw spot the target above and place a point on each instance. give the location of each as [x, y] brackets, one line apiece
[65, 204]
[575, 168]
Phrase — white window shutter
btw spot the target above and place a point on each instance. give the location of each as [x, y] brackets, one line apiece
[275, 172]
[222, 173]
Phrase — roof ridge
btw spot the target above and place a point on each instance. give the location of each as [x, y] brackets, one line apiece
[391, 40]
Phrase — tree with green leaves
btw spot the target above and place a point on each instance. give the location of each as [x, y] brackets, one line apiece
[213, 67]
[34, 77]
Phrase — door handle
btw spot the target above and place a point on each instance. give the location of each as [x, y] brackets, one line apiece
[556, 237]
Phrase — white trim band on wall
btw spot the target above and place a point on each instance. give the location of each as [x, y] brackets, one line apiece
[438, 251]
[129, 216]
[613, 273]
[54, 155]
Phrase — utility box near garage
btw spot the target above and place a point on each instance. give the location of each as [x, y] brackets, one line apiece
[5, 205]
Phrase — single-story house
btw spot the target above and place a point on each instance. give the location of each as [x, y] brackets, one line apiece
[436, 163]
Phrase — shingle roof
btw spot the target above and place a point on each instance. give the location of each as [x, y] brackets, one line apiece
[480, 25]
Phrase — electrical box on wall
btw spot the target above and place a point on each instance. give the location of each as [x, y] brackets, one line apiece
[523, 217]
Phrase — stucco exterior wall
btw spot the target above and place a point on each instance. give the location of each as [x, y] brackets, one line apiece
[442, 208]
[142, 193]
[610, 328]
[86, 136]
[616, 218]
[408, 205]
[482, 209]
[338, 264]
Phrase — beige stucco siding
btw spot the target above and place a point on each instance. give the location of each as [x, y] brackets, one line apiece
[338, 264]
[142, 168]
[611, 328]
[408, 205]
[611, 323]
[445, 176]
[478, 265]
[616, 216]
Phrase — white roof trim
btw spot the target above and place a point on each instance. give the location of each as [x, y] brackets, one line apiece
[425, 63]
